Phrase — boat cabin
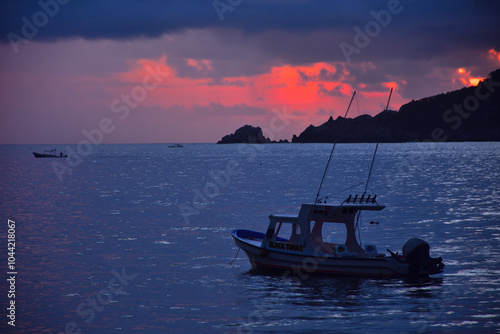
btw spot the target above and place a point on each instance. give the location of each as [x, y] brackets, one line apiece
[304, 233]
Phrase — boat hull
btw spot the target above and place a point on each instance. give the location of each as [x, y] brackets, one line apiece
[266, 259]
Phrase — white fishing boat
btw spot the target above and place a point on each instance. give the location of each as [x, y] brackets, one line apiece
[305, 249]
[296, 242]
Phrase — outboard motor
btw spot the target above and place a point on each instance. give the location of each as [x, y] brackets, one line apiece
[416, 252]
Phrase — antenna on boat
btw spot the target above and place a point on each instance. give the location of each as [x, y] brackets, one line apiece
[378, 141]
[333, 148]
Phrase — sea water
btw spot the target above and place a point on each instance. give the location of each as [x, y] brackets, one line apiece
[137, 238]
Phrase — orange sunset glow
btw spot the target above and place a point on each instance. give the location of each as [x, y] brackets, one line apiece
[466, 78]
[493, 54]
[307, 89]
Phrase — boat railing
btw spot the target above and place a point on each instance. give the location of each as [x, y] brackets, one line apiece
[361, 199]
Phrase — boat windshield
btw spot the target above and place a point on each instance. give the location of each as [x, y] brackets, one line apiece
[290, 231]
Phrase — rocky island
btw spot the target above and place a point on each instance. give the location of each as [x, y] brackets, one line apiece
[246, 134]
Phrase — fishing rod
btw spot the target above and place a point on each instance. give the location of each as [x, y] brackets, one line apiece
[371, 166]
[333, 148]
[378, 141]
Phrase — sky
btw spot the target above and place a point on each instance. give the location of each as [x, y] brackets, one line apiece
[185, 71]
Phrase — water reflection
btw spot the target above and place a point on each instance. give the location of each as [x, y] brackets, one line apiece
[284, 300]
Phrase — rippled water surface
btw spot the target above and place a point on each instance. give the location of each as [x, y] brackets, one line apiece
[136, 239]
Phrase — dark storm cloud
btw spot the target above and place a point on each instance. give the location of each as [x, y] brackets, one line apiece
[329, 92]
[127, 19]
[258, 34]
[323, 75]
[110, 19]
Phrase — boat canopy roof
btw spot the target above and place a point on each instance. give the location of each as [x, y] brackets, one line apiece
[325, 212]
[373, 207]
[284, 218]
[319, 208]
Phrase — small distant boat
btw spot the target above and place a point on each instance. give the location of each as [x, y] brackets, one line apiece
[175, 146]
[296, 243]
[50, 154]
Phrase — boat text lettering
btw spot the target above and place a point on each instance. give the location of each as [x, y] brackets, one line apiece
[280, 245]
